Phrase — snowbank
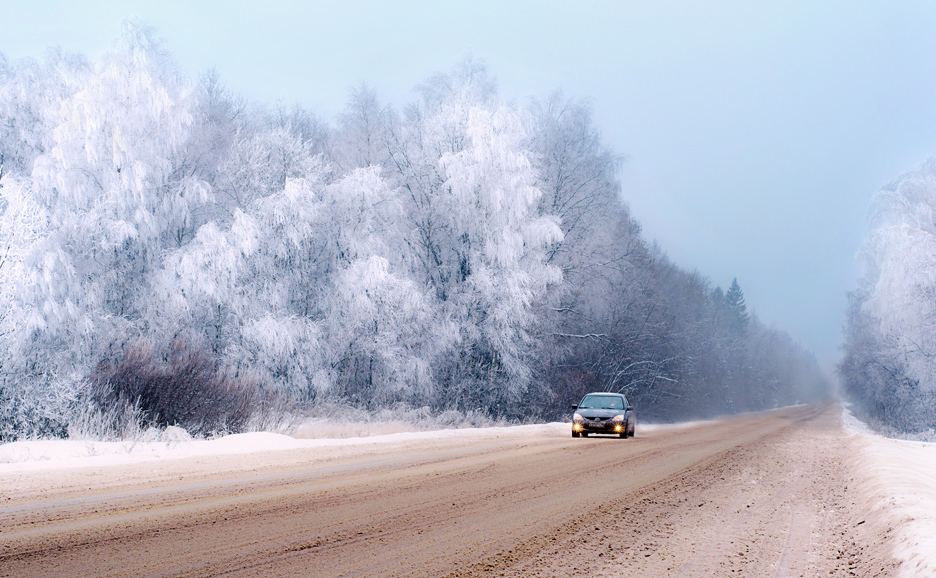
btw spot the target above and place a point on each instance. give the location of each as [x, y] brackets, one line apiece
[902, 489]
[56, 454]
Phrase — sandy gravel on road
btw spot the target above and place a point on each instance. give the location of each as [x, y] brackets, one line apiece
[768, 495]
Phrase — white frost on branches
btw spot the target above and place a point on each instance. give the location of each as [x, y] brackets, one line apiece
[900, 254]
[441, 255]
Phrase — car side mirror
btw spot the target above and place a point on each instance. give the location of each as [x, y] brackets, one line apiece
[630, 408]
[574, 407]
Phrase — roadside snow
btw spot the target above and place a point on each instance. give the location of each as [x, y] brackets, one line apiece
[54, 454]
[902, 489]
[57, 454]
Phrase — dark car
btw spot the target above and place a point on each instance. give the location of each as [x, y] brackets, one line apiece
[604, 413]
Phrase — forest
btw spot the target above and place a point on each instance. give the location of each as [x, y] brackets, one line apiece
[889, 367]
[172, 254]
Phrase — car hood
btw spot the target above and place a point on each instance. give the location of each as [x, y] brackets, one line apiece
[591, 413]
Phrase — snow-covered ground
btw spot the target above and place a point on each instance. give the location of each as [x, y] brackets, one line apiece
[175, 443]
[901, 487]
[898, 485]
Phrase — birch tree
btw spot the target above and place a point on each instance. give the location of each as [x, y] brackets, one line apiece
[890, 345]
[113, 195]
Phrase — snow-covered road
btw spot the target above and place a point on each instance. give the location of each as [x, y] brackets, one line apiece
[788, 496]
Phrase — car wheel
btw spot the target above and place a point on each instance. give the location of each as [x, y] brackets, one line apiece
[623, 435]
[575, 434]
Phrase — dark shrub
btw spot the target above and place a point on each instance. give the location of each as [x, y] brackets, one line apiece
[183, 387]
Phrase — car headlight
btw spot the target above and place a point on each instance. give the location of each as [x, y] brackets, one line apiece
[577, 418]
[619, 417]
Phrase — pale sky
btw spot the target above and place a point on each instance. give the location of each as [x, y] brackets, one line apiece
[755, 132]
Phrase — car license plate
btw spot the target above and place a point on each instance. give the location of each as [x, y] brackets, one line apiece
[598, 424]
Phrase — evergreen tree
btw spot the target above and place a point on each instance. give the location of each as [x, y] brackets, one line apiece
[737, 309]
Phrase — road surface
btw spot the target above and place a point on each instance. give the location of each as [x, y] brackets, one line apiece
[757, 495]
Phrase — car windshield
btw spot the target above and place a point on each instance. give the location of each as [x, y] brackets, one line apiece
[602, 402]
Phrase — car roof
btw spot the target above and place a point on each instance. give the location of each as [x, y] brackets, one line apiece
[605, 393]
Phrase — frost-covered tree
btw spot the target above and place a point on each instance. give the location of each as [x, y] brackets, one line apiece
[30, 96]
[900, 253]
[362, 138]
[218, 117]
[311, 130]
[381, 336]
[247, 288]
[113, 193]
[890, 343]
[259, 164]
[305, 287]
[155, 233]
[21, 226]
[26, 408]
[577, 173]
[475, 239]
[499, 244]
[593, 321]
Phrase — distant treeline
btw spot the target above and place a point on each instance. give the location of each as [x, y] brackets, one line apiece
[169, 248]
[889, 368]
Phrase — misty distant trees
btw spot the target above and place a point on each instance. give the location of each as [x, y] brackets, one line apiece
[889, 368]
[461, 253]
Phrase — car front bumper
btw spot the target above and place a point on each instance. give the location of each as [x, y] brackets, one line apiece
[606, 427]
